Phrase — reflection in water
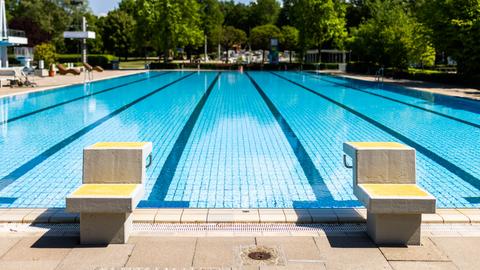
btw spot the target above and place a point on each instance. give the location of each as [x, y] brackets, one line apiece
[4, 116]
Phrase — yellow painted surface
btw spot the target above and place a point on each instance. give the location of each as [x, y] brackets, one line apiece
[377, 145]
[105, 190]
[396, 190]
[119, 144]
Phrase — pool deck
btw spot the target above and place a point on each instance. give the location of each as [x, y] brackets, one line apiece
[296, 247]
[236, 216]
[443, 89]
[48, 83]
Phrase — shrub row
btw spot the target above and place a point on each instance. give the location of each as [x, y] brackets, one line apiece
[103, 60]
[234, 66]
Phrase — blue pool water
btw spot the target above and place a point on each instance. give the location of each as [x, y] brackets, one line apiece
[233, 140]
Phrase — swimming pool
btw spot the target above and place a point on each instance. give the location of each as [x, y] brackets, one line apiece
[233, 140]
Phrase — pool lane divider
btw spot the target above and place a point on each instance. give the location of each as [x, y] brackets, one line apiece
[396, 100]
[308, 167]
[454, 169]
[165, 178]
[78, 98]
[32, 163]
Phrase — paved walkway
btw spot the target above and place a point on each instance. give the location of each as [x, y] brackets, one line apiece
[309, 251]
[44, 83]
[423, 86]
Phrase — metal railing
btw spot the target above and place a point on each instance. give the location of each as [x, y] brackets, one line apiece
[13, 33]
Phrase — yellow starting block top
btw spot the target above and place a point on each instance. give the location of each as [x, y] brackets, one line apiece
[394, 190]
[119, 144]
[378, 145]
[105, 190]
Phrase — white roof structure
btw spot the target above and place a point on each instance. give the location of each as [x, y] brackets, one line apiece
[9, 37]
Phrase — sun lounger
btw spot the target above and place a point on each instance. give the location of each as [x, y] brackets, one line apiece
[64, 71]
[89, 68]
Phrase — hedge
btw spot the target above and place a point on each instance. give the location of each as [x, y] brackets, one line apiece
[417, 75]
[234, 66]
[103, 60]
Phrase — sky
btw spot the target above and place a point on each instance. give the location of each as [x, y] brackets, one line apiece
[102, 7]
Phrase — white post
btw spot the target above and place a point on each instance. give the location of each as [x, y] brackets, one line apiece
[206, 49]
[84, 40]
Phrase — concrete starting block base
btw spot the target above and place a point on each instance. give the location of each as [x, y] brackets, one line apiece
[394, 229]
[105, 228]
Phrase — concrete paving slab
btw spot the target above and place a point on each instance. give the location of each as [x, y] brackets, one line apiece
[294, 248]
[168, 215]
[162, 252]
[272, 216]
[14, 215]
[219, 252]
[463, 251]
[345, 253]
[233, 215]
[402, 265]
[144, 215]
[39, 215]
[323, 216]
[37, 253]
[427, 251]
[297, 215]
[432, 218]
[452, 216]
[85, 257]
[7, 243]
[351, 215]
[194, 216]
[472, 214]
[297, 266]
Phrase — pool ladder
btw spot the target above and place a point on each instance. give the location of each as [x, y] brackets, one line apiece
[380, 75]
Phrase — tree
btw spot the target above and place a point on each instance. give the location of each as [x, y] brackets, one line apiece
[264, 12]
[319, 22]
[170, 24]
[455, 30]
[260, 37]
[118, 30]
[232, 36]
[289, 39]
[236, 15]
[212, 20]
[392, 36]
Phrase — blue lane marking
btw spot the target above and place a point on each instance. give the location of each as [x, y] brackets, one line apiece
[29, 165]
[467, 177]
[75, 99]
[164, 179]
[311, 172]
[401, 102]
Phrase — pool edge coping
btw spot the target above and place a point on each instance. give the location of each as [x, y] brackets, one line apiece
[233, 216]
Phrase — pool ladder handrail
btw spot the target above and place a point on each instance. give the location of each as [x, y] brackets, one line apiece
[380, 75]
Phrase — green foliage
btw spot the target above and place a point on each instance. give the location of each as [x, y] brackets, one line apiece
[455, 28]
[392, 36]
[232, 36]
[118, 32]
[212, 20]
[260, 36]
[170, 23]
[236, 15]
[290, 36]
[264, 12]
[102, 60]
[319, 22]
[45, 52]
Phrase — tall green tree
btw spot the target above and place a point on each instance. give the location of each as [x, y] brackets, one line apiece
[392, 36]
[170, 24]
[212, 20]
[231, 37]
[118, 33]
[264, 12]
[289, 40]
[455, 30]
[260, 37]
[319, 22]
[236, 15]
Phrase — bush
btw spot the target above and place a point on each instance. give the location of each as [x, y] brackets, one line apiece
[103, 60]
[45, 52]
[235, 66]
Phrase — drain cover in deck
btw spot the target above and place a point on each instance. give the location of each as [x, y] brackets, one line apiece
[261, 255]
